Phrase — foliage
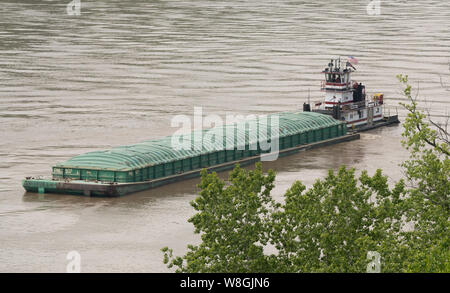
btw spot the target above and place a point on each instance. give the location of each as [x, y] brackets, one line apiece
[233, 221]
[331, 226]
[428, 174]
[429, 166]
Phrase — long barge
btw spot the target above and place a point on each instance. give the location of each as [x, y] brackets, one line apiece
[115, 189]
[152, 163]
[126, 169]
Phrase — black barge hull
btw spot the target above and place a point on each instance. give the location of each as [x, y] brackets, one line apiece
[87, 188]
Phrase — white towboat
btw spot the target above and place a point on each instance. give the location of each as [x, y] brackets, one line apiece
[345, 99]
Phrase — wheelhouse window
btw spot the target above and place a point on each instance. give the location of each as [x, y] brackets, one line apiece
[328, 77]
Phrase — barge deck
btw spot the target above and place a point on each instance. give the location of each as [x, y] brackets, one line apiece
[115, 189]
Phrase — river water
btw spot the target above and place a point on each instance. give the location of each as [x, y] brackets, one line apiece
[121, 70]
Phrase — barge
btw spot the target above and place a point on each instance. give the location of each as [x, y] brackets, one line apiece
[152, 163]
[115, 189]
[126, 169]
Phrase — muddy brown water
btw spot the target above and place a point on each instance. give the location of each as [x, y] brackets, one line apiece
[121, 70]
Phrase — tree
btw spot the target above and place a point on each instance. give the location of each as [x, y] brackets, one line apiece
[329, 228]
[428, 175]
[333, 225]
[233, 222]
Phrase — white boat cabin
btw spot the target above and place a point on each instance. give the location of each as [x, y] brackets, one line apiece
[349, 96]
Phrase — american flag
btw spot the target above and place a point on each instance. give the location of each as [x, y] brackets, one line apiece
[352, 60]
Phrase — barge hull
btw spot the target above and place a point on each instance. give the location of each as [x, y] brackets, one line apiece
[86, 188]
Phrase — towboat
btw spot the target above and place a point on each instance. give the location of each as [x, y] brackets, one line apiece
[346, 99]
[152, 163]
